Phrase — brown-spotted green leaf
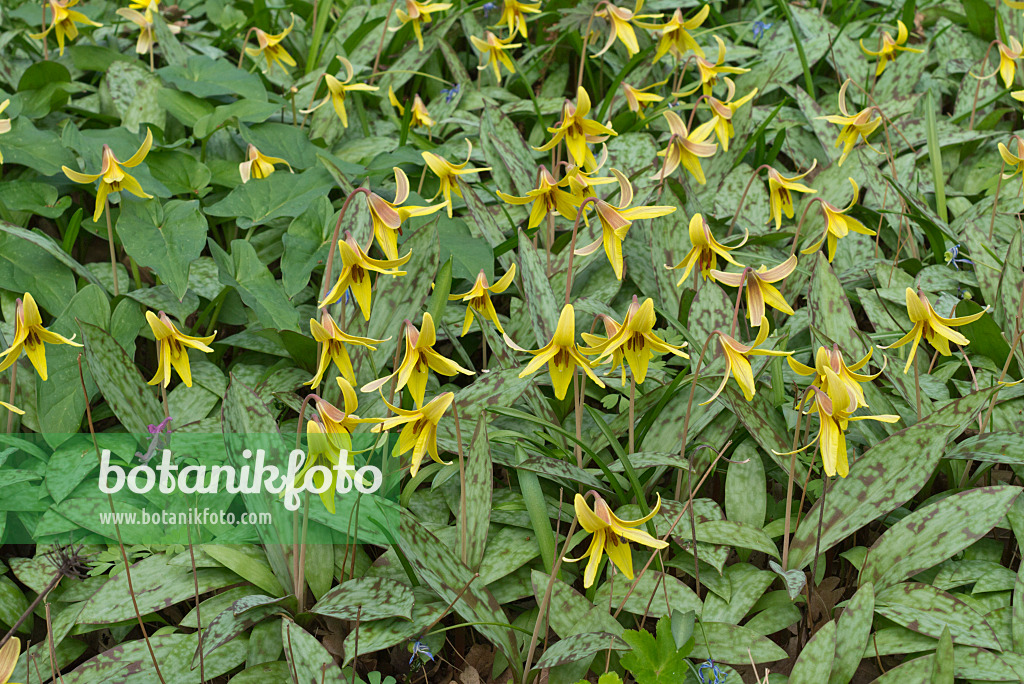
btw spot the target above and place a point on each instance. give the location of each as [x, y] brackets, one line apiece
[733, 644]
[541, 301]
[579, 646]
[504, 146]
[131, 663]
[380, 634]
[830, 309]
[927, 610]
[310, 661]
[815, 661]
[231, 622]
[479, 485]
[852, 634]
[652, 594]
[570, 612]
[495, 389]
[366, 598]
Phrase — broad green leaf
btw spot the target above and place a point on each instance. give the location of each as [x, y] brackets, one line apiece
[493, 390]
[37, 198]
[38, 149]
[255, 284]
[830, 310]
[306, 244]
[654, 660]
[477, 494]
[852, 634]
[182, 173]
[814, 664]
[26, 266]
[203, 76]
[651, 594]
[281, 194]
[229, 623]
[310, 661]
[747, 586]
[166, 238]
[247, 562]
[926, 610]
[745, 486]
[504, 146]
[381, 634]
[366, 598]
[942, 667]
[570, 612]
[126, 392]
[129, 91]
[730, 533]
[577, 647]
[731, 643]
[469, 254]
[131, 662]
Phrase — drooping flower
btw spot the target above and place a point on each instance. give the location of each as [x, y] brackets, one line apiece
[933, 327]
[637, 341]
[31, 337]
[838, 225]
[547, 197]
[621, 25]
[561, 354]
[271, 50]
[64, 22]
[581, 184]
[5, 124]
[578, 131]
[448, 174]
[418, 13]
[780, 188]
[338, 423]
[478, 299]
[737, 362]
[144, 4]
[611, 535]
[859, 125]
[1008, 56]
[324, 452]
[419, 433]
[258, 165]
[332, 341]
[492, 53]
[147, 38]
[355, 273]
[172, 349]
[724, 112]
[686, 148]
[849, 380]
[387, 217]
[675, 34]
[1014, 161]
[760, 290]
[710, 72]
[638, 99]
[337, 90]
[596, 344]
[890, 48]
[513, 15]
[616, 221]
[420, 356]
[704, 250]
[112, 175]
[419, 117]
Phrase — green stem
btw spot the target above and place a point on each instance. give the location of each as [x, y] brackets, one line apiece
[808, 81]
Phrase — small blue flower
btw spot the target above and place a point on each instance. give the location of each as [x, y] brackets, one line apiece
[710, 665]
[420, 648]
[952, 259]
[489, 7]
[450, 93]
[760, 27]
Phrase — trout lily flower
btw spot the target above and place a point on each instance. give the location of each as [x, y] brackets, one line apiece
[418, 13]
[760, 290]
[636, 340]
[724, 112]
[327, 455]
[31, 337]
[933, 327]
[420, 357]
[1008, 56]
[144, 4]
[420, 117]
[448, 174]
[258, 165]
[112, 175]
[737, 362]
[838, 225]
[332, 342]
[780, 188]
[561, 354]
[172, 349]
[859, 125]
[337, 90]
[675, 35]
[147, 37]
[578, 131]
[611, 535]
[492, 53]
[847, 376]
[546, 198]
[388, 217]
[704, 251]
[890, 48]
[637, 99]
[581, 184]
[513, 15]
[355, 273]
[5, 124]
[64, 22]
[621, 20]
[271, 50]
[1015, 161]
[11, 408]
[709, 72]
[616, 221]
[478, 299]
[419, 431]
[337, 422]
[598, 343]
[686, 148]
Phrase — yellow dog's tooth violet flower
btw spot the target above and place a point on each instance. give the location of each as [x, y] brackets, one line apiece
[387, 217]
[638, 99]
[5, 124]
[258, 165]
[578, 131]
[270, 48]
[1014, 161]
[420, 117]
[325, 452]
[724, 112]
[738, 365]
[418, 13]
[355, 273]
[492, 53]
[889, 48]
[112, 175]
[172, 349]
[636, 340]
[337, 90]
[31, 337]
[675, 35]
[709, 72]
[419, 433]
[859, 125]
[332, 341]
[1008, 56]
[448, 174]
[478, 299]
[933, 327]
[513, 15]
[64, 22]
[547, 197]
[780, 189]
[686, 148]
[621, 20]
[704, 251]
[848, 377]
[838, 225]
[760, 290]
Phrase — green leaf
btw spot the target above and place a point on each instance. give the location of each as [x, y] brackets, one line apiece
[309, 659]
[570, 612]
[745, 487]
[248, 562]
[306, 244]
[730, 643]
[133, 402]
[942, 667]
[478, 488]
[852, 633]
[577, 647]
[654, 660]
[470, 255]
[25, 266]
[129, 91]
[47, 244]
[651, 594]
[503, 146]
[541, 302]
[830, 309]
[730, 533]
[184, 107]
[240, 617]
[37, 198]
[815, 661]
[366, 598]
[281, 194]
[206, 77]
[927, 610]
[40, 150]
[166, 238]
[182, 173]
[255, 284]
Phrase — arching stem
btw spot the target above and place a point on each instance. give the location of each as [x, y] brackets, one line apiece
[572, 244]
[743, 197]
[334, 239]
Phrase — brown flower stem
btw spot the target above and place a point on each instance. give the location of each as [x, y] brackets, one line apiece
[693, 112]
[693, 527]
[817, 546]
[995, 202]
[32, 607]
[463, 542]
[299, 547]
[334, 240]
[312, 98]
[199, 617]
[545, 602]
[578, 388]
[739, 296]
[549, 241]
[380, 45]
[800, 225]
[110, 241]
[300, 580]
[686, 419]
[789, 484]
[586, 41]
[572, 245]
[917, 389]
[241, 50]
[46, 50]
[977, 88]
[10, 400]
[743, 197]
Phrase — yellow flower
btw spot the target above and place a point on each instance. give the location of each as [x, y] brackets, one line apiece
[30, 336]
[637, 99]
[448, 174]
[332, 348]
[12, 409]
[859, 125]
[889, 48]
[258, 165]
[388, 217]
[779, 197]
[479, 299]
[686, 147]
[578, 131]
[636, 340]
[1015, 161]
[546, 197]
[513, 15]
[172, 349]
[933, 327]
[598, 343]
[621, 26]
[112, 175]
[336, 91]
[1008, 56]
[9, 659]
[270, 48]
[64, 21]
[418, 13]
[324, 452]
[581, 185]
[145, 24]
[760, 290]
[144, 4]
[838, 225]
[848, 379]
[419, 117]
[5, 124]
[724, 112]
[737, 363]
[675, 35]
[337, 422]
[704, 250]
[611, 535]
[616, 221]
[1015, 4]
[561, 354]
[420, 356]
[355, 273]
[492, 51]
[709, 72]
[419, 433]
